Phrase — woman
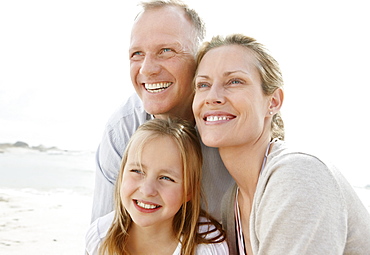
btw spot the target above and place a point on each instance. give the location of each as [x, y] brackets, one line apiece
[157, 198]
[284, 201]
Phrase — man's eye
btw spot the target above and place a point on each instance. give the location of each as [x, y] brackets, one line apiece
[137, 54]
[167, 178]
[166, 53]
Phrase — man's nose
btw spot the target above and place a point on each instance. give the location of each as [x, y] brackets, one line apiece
[150, 66]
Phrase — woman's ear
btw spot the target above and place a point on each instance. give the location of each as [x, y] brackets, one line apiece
[276, 101]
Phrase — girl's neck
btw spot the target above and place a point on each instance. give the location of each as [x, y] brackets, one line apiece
[151, 240]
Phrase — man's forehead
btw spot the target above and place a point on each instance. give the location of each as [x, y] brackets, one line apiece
[167, 17]
[168, 10]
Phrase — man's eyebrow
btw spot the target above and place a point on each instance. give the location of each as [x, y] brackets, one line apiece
[169, 45]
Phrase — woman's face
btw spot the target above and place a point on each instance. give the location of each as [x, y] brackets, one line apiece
[230, 107]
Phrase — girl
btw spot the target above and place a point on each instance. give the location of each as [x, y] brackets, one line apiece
[157, 198]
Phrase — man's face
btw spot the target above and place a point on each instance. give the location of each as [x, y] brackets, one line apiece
[162, 61]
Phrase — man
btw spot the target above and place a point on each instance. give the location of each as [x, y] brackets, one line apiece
[164, 41]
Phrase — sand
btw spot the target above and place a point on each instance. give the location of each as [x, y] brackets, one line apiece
[45, 201]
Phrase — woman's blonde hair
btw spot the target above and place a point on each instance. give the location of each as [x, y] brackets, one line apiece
[186, 221]
[267, 67]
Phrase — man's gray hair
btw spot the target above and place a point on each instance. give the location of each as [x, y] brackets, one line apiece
[190, 13]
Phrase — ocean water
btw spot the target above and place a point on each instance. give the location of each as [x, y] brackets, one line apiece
[21, 169]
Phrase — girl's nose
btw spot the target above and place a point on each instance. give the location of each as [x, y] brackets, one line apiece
[149, 188]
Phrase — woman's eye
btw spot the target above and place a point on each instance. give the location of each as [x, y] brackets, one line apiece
[235, 81]
[202, 85]
[167, 178]
[166, 50]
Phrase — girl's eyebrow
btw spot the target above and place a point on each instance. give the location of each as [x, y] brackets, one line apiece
[161, 171]
[171, 172]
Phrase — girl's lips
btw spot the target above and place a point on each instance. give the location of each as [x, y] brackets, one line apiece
[146, 207]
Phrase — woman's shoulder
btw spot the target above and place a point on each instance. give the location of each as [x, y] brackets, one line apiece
[289, 160]
[296, 174]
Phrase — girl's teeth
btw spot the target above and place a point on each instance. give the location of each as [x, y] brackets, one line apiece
[146, 206]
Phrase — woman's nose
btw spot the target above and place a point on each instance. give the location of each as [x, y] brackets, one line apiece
[215, 95]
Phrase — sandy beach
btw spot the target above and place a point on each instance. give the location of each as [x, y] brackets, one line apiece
[45, 201]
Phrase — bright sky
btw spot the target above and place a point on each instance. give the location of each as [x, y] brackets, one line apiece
[64, 69]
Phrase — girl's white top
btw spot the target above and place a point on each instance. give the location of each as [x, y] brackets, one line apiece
[99, 228]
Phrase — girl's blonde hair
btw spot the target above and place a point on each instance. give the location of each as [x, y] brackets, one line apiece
[267, 67]
[186, 221]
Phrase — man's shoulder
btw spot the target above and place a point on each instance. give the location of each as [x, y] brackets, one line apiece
[129, 112]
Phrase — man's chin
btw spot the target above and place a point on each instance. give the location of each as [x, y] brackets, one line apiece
[155, 110]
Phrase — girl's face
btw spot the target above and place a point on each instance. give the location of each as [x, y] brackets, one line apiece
[152, 186]
[230, 107]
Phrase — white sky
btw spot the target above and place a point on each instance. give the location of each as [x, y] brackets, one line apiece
[64, 69]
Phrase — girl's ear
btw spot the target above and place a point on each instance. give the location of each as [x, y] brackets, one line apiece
[188, 197]
[276, 101]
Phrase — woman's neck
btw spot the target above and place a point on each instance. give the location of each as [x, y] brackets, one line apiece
[244, 164]
[151, 240]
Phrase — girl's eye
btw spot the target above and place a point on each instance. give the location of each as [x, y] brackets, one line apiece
[167, 178]
[136, 171]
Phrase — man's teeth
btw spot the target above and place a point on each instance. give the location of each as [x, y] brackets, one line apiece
[146, 206]
[216, 118]
[157, 87]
